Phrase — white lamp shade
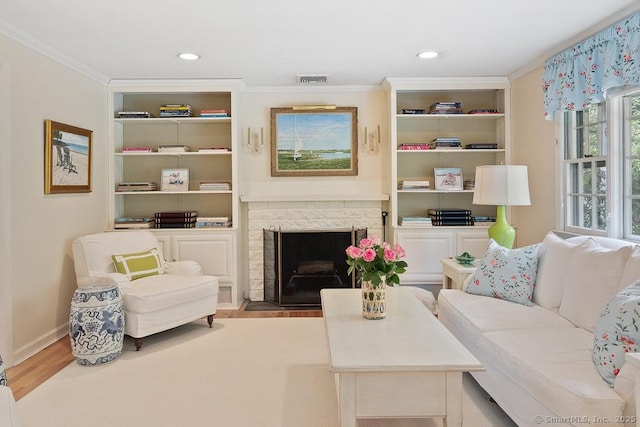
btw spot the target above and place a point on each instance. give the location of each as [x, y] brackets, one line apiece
[501, 185]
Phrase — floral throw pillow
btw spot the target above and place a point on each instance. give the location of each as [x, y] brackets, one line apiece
[508, 274]
[617, 332]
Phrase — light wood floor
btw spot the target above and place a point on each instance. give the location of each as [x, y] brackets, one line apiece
[29, 374]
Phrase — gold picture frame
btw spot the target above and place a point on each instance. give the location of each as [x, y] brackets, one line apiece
[67, 158]
[314, 142]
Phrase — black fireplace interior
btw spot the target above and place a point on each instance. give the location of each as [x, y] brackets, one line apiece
[298, 264]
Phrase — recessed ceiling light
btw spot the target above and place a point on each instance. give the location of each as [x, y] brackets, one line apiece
[427, 55]
[188, 56]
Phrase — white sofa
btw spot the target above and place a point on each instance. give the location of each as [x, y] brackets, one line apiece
[8, 410]
[538, 358]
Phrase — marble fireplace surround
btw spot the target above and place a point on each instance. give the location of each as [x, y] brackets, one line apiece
[305, 212]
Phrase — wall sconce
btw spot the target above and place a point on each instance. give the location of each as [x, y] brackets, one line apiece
[372, 142]
[255, 141]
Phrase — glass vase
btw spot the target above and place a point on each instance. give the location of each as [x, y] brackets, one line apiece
[374, 300]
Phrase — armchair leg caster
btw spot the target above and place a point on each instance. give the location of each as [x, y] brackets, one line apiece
[210, 320]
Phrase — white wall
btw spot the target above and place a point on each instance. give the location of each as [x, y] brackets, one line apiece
[533, 144]
[39, 264]
[256, 168]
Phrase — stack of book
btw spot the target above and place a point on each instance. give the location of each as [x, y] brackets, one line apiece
[415, 146]
[176, 110]
[133, 222]
[445, 108]
[137, 186]
[213, 221]
[483, 111]
[446, 142]
[416, 221]
[215, 186]
[451, 217]
[214, 113]
[176, 219]
[414, 185]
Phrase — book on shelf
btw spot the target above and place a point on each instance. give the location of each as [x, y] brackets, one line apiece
[137, 186]
[415, 146]
[175, 225]
[483, 111]
[445, 108]
[133, 219]
[176, 110]
[449, 212]
[134, 115]
[413, 111]
[446, 142]
[137, 150]
[173, 148]
[176, 214]
[414, 185]
[481, 146]
[213, 221]
[174, 220]
[219, 186]
[213, 150]
[133, 224]
[415, 221]
[452, 222]
[214, 113]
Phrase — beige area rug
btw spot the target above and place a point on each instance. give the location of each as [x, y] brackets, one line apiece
[242, 373]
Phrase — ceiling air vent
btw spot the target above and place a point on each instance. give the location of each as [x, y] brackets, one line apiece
[312, 79]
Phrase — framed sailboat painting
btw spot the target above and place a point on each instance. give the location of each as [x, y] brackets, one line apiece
[314, 141]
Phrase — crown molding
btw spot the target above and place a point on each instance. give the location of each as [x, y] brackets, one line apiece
[50, 52]
[624, 13]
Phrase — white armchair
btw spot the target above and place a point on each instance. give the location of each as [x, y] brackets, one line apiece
[176, 294]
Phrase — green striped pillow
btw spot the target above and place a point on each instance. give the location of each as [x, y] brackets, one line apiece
[139, 264]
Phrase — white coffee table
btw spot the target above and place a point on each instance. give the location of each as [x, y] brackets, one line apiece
[404, 366]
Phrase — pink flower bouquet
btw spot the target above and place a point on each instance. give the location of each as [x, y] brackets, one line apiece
[376, 261]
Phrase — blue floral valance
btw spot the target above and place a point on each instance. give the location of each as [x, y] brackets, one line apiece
[580, 76]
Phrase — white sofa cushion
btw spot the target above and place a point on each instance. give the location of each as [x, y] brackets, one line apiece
[475, 314]
[508, 274]
[593, 277]
[631, 271]
[555, 366]
[617, 332]
[555, 255]
[167, 291]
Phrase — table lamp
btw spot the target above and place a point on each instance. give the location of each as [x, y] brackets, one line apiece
[502, 185]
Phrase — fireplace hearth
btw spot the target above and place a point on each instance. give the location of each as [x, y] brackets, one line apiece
[298, 264]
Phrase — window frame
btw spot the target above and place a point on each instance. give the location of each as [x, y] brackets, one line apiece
[615, 136]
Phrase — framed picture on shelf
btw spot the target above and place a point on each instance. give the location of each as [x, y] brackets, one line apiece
[448, 179]
[67, 159]
[314, 142]
[175, 180]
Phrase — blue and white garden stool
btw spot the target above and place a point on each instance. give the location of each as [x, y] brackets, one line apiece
[96, 324]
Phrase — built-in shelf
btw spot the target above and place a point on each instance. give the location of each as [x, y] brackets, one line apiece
[312, 197]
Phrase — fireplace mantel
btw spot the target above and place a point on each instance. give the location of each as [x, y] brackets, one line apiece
[312, 197]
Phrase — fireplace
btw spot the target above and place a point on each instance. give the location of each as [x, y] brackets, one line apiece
[298, 264]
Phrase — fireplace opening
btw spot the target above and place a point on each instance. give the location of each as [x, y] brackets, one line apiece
[298, 264]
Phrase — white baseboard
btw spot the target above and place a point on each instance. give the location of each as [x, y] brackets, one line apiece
[40, 343]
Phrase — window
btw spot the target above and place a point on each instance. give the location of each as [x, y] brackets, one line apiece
[631, 214]
[601, 164]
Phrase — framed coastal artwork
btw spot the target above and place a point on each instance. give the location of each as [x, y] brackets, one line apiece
[314, 142]
[67, 167]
